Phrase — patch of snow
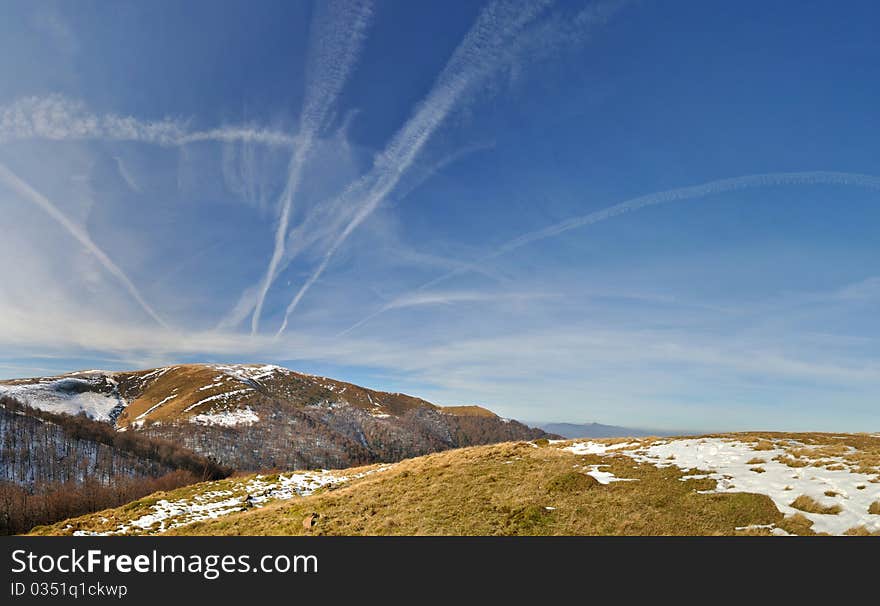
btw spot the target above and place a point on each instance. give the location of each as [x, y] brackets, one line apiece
[597, 448]
[256, 492]
[247, 373]
[155, 406]
[227, 418]
[156, 373]
[774, 530]
[605, 477]
[71, 395]
[220, 396]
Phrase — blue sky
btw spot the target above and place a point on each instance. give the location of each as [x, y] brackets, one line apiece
[651, 214]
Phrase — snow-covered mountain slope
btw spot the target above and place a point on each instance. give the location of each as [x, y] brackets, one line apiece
[258, 416]
[93, 392]
[202, 393]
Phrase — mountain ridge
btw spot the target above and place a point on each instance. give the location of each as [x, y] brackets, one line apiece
[259, 416]
[154, 394]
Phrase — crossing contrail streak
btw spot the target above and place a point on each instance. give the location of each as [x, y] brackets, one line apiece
[338, 32]
[28, 193]
[633, 204]
[473, 60]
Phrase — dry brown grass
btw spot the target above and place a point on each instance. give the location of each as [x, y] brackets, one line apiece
[756, 461]
[785, 460]
[861, 531]
[811, 505]
[874, 508]
[472, 492]
[798, 524]
[467, 411]
[819, 451]
[508, 488]
[503, 489]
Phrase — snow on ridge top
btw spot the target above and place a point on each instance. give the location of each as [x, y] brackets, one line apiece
[95, 371]
[250, 372]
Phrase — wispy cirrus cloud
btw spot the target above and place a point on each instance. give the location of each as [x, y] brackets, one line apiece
[614, 366]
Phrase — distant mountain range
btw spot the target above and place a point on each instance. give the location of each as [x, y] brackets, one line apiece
[597, 430]
[252, 416]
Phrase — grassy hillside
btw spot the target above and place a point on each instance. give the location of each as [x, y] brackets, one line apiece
[540, 488]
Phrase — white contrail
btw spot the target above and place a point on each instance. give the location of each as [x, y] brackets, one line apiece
[431, 170]
[338, 31]
[671, 195]
[418, 298]
[240, 134]
[475, 58]
[57, 118]
[695, 191]
[31, 195]
[127, 176]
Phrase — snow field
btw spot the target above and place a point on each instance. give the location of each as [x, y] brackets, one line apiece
[726, 461]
